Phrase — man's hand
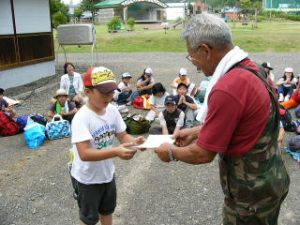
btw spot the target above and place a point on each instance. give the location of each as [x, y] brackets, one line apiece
[183, 137]
[163, 152]
[124, 151]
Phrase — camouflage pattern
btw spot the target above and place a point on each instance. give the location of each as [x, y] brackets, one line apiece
[256, 183]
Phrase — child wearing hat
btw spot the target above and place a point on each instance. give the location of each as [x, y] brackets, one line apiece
[124, 90]
[62, 106]
[286, 84]
[144, 84]
[171, 119]
[94, 129]
[267, 67]
[182, 78]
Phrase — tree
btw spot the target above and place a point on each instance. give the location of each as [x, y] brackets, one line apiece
[78, 12]
[89, 5]
[59, 13]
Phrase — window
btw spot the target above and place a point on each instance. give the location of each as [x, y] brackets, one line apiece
[23, 39]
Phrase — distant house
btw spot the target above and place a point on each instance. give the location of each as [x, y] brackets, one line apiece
[143, 11]
[232, 13]
[281, 5]
[26, 42]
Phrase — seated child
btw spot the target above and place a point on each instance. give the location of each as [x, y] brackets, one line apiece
[202, 90]
[5, 107]
[156, 101]
[286, 84]
[122, 95]
[171, 119]
[62, 106]
[186, 104]
[144, 84]
[182, 78]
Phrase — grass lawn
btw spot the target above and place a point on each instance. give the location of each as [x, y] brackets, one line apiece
[279, 36]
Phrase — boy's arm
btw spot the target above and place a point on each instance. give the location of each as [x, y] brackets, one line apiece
[87, 153]
[124, 137]
[163, 123]
[165, 130]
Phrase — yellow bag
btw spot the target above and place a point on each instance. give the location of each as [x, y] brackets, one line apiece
[146, 103]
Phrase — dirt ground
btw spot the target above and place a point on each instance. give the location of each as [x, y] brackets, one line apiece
[35, 187]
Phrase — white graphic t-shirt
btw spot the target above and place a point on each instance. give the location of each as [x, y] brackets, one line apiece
[100, 130]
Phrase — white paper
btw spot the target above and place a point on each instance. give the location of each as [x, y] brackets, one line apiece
[153, 141]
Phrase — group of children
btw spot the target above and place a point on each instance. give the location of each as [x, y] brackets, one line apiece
[287, 86]
[96, 123]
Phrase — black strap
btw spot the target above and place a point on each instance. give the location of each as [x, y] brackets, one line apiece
[264, 79]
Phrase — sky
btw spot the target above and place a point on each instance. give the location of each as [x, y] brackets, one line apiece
[68, 1]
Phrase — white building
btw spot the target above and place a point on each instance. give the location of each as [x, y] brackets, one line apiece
[175, 11]
[26, 42]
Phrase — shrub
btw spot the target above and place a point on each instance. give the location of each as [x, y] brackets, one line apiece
[114, 24]
[131, 23]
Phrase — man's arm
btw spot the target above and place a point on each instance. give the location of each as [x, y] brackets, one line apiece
[192, 154]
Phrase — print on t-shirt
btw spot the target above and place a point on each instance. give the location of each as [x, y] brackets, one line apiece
[104, 136]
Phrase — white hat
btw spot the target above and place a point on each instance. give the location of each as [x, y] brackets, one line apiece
[126, 75]
[288, 70]
[183, 72]
[61, 92]
[148, 70]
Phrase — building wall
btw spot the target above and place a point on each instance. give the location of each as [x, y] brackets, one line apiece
[32, 56]
[175, 10]
[26, 74]
[104, 15]
[281, 4]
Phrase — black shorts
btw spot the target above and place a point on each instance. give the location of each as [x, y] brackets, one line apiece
[96, 199]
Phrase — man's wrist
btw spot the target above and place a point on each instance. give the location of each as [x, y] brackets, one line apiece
[170, 152]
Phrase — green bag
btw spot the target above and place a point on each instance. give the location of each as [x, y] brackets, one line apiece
[137, 124]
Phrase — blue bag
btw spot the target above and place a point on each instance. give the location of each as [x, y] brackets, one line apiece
[34, 134]
[58, 128]
[22, 121]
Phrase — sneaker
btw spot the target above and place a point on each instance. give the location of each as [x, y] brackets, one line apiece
[281, 98]
[286, 98]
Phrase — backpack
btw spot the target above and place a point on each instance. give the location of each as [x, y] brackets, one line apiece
[294, 144]
[137, 124]
[286, 120]
[138, 103]
[8, 126]
[38, 118]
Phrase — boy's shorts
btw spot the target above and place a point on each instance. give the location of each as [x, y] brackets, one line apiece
[95, 199]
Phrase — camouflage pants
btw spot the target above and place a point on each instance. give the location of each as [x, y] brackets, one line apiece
[239, 214]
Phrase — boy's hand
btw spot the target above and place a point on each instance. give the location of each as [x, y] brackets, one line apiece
[138, 141]
[124, 152]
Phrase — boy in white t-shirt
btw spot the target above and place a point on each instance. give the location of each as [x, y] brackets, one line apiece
[94, 129]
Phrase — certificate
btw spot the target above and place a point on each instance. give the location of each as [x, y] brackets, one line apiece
[153, 141]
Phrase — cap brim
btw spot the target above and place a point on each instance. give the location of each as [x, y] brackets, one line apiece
[56, 96]
[107, 87]
[170, 102]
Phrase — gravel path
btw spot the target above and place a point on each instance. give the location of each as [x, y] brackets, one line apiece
[35, 187]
